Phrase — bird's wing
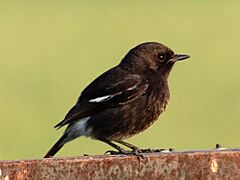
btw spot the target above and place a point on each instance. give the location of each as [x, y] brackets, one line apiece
[111, 89]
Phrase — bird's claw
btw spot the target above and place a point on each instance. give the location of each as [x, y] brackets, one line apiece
[151, 150]
[136, 152]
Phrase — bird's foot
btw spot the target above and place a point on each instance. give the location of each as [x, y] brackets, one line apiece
[151, 150]
[136, 152]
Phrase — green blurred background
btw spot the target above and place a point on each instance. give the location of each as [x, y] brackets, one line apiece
[50, 50]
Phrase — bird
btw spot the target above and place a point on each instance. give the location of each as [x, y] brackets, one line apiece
[123, 101]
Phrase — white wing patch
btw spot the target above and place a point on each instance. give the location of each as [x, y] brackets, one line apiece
[107, 97]
[104, 98]
[101, 99]
[131, 88]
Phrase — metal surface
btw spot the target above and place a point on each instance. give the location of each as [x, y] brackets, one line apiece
[210, 164]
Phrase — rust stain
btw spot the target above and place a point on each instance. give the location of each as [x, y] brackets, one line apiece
[211, 164]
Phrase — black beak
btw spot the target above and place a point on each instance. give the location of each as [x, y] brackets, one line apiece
[179, 57]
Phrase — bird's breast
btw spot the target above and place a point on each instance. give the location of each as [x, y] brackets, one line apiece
[149, 108]
[158, 99]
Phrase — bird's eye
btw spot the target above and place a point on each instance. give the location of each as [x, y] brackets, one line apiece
[161, 57]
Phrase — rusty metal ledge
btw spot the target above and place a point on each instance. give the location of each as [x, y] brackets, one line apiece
[209, 164]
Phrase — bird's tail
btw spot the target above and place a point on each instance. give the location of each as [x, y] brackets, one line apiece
[56, 147]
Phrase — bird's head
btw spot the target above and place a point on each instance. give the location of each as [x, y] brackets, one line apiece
[151, 57]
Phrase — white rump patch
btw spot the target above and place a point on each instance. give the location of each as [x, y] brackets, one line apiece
[79, 128]
[101, 99]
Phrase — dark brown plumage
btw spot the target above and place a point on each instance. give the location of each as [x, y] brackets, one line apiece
[123, 101]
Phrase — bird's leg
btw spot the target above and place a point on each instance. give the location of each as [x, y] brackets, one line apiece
[135, 149]
[120, 150]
